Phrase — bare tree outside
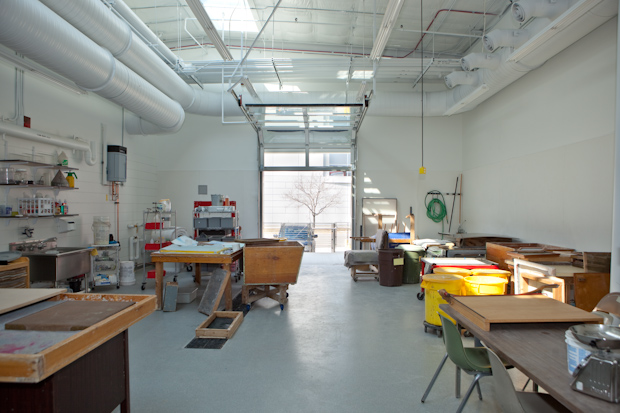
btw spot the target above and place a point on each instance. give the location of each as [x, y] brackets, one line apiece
[312, 191]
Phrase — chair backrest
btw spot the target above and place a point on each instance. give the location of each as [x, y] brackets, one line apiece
[454, 345]
[381, 240]
[505, 392]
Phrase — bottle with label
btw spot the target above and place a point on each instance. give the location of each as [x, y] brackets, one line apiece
[66, 209]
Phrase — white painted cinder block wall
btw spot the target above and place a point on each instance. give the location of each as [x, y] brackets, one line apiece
[58, 111]
[538, 157]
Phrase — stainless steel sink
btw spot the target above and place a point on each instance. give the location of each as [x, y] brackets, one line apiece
[52, 263]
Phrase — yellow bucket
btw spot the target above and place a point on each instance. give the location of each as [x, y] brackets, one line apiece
[432, 283]
[491, 272]
[452, 270]
[484, 285]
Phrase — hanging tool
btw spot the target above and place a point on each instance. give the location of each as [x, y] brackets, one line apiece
[453, 202]
[436, 207]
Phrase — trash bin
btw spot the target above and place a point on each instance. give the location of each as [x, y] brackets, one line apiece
[491, 272]
[391, 262]
[484, 285]
[411, 270]
[432, 283]
[452, 270]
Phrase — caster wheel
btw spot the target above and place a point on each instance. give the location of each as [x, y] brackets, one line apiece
[174, 279]
[286, 295]
[118, 286]
[281, 306]
[189, 268]
[439, 333]
[466, 333]
[425, 329]
[420, 296]
[248, 306]
[143, 287]
[355, 279]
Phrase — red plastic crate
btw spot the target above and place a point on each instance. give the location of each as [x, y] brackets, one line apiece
[152, 225]
[156, 246]
[151, 274]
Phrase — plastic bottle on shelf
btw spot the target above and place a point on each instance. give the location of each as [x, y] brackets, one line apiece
[66, 206]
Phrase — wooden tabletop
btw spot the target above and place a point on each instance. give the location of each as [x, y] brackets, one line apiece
[539, 351]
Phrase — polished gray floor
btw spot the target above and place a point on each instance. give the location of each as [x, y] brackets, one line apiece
[338, 346]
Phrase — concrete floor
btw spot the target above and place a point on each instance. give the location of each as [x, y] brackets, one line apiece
[338, 346]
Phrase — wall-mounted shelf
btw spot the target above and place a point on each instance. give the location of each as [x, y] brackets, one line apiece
[37, 165]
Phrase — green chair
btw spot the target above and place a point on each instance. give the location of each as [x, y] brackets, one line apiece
[512, 401]
[472, 360]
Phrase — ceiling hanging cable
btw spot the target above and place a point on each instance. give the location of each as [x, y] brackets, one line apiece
[422, 168]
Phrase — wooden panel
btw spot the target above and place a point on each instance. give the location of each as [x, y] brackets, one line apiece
[68, 316]
[16, 274]
[12, 299]
[215, 290]
[590, 288]
[597, 261]
[497, 251]
[272, 264]
[206, 330]
[487, 310]
[32, 368]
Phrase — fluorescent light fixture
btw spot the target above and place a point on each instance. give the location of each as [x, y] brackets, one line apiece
[481, 90]
[250, 88]
[389, 20]
[563, 21]
[207, 25]
[274, 87]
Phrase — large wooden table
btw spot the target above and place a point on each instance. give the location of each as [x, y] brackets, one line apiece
[73, 371]
[539, 351]
[194, 258]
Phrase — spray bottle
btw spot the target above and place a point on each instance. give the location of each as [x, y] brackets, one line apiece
[71, 177]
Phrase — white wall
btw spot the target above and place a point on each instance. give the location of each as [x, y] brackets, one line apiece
[389, 162]
[205, 152]
[58, 111]
[538, 156]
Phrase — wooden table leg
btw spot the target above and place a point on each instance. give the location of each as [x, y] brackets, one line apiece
[125, 404]
[198, 277]
[228, 290]
[159, 282]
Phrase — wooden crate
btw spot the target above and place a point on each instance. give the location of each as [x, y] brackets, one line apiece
[203, 330]
[498, 251]
[272, 264]
[15, 274]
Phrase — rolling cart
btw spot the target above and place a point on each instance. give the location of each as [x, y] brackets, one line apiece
[156, 224]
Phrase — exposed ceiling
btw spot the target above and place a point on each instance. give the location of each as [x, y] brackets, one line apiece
[325, 41]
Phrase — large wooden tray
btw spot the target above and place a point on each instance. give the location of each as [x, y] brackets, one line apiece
[485, 310]
[272, 265]
[33, 368]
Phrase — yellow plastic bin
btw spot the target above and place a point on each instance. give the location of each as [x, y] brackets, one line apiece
[492, 272]
[485, 285]
[452, 270]
[432, 283]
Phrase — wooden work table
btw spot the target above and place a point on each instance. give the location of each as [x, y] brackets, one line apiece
[194, 258]
[539, 351]
[52, 371]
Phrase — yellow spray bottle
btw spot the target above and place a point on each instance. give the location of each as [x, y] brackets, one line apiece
[71, 177]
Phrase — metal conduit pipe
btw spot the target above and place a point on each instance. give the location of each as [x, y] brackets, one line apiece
[100, 24]
[30, 28]
[44, 137]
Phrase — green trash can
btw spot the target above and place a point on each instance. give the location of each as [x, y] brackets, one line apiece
[411, 271]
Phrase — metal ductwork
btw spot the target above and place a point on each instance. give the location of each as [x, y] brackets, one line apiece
[100, 24]
[523, 10]
[461, 78]
[32, 29]
[480, 61]
[504, 38]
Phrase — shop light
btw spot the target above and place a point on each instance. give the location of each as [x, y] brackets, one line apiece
[207, 25]
[387, 25]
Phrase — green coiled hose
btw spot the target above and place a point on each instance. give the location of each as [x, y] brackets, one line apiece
[436, 207]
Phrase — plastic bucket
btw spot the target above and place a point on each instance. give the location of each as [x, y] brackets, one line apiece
[485, 285]
[411, 270]
[452, 270]
[491, 272]
[127, 276]
[391, 262]
[432, 283]
[575, 351]
[101, 230]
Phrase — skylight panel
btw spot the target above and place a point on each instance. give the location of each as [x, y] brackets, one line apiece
[230, 15]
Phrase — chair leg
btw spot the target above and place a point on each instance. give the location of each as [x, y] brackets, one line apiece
[479, 391]
[430, 385]
[469, 391]
[525, 385]
[457, 383]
